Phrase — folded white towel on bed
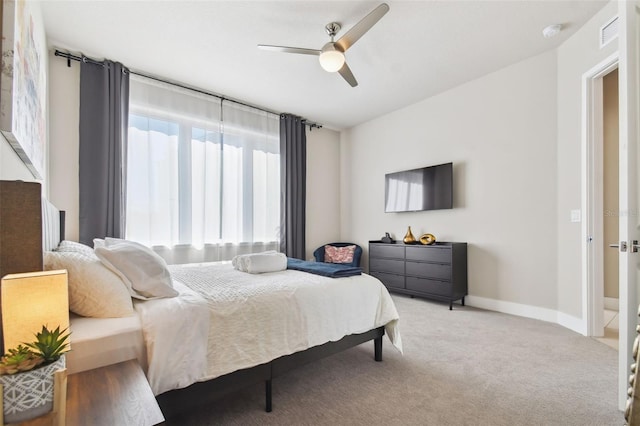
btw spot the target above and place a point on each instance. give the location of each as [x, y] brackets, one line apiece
[258, 263]
[238, 261]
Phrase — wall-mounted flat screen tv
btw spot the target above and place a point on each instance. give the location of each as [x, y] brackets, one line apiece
[428, 188]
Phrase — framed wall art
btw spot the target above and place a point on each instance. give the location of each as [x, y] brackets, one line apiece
[23, 83]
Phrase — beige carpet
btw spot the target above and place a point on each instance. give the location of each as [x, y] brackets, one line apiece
[460, 367]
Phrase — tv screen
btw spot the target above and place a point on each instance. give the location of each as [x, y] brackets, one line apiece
[428, 188]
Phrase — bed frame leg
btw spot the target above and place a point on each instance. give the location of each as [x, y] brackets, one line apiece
[267, 395]
[377, 347]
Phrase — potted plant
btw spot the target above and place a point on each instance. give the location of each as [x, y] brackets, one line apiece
[27, 375]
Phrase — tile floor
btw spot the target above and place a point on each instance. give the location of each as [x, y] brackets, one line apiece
[610, 337]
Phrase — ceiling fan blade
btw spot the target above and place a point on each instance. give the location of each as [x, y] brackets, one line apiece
[359, 29]
[346, 73]
[286, 49]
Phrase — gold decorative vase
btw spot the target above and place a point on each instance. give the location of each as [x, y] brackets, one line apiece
[409, 238]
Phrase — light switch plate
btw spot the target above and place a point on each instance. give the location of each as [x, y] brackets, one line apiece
[576, 216]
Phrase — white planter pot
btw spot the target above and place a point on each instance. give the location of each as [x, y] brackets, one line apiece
[29, 394]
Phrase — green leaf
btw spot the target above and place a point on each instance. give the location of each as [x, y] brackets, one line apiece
[51, 344]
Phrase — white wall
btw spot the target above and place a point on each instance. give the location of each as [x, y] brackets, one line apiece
[323, 189]
[64, 124]
[500, 133]
[576, 56]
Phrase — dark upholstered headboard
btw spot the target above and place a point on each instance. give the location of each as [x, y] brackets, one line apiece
[20, 227]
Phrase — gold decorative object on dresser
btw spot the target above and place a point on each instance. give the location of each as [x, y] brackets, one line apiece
[427, 239]
[632, 411]
[409, 238]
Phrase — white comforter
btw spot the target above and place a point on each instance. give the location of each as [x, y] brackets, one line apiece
[173, 332]
[253, 319]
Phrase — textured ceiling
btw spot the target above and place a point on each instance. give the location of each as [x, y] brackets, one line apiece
[418, 49]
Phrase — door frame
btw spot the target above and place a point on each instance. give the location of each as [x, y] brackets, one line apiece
[592, 198]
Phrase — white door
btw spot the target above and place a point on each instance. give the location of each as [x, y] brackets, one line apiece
[629, 85]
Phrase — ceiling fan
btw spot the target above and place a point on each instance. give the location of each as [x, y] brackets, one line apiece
[331, 55]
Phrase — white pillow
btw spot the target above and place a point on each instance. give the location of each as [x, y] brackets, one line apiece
[143, 271]
[94, 291]
[67, 246]
[107, 241]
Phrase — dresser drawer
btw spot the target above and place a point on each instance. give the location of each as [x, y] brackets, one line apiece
[430, 254]
[428, 270]
[386, 265]
[424, 285]
[386, 250]
[389, 280]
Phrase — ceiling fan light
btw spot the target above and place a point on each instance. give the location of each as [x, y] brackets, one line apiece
[331, 60]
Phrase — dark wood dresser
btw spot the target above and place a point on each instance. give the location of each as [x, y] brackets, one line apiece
[437, 271]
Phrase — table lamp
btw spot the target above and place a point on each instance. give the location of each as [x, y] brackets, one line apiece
[31, 300]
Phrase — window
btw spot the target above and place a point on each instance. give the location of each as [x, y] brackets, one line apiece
[200, 171]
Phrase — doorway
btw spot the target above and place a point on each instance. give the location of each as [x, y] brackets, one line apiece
[600, 202]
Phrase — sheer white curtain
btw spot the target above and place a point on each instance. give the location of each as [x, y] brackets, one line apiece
[202, 174]
[252, 149]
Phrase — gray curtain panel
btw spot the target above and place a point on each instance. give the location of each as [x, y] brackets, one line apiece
[104, 116]
[293, 178]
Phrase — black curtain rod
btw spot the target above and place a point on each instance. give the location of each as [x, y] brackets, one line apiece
[70, 57]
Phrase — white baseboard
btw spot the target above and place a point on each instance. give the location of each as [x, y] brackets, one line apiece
[611, 304]
[572, 323]
[569, 321]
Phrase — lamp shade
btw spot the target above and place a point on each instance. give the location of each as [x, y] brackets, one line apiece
[331, 59]
[31, 300]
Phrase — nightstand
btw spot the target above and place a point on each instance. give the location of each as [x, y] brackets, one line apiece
[117, 394]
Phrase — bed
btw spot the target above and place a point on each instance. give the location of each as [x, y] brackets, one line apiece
[250, 329]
